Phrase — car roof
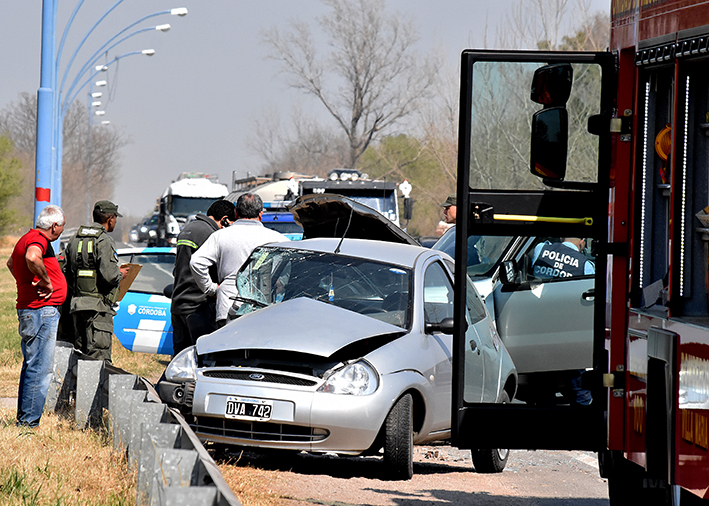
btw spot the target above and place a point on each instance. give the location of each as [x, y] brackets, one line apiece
[404, 255]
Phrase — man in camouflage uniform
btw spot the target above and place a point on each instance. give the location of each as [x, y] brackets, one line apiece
[92, 272]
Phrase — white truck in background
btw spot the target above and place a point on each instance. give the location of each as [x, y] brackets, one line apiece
[191, 193]
[281, 188]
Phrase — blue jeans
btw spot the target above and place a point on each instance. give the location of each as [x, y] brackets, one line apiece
[38, 330]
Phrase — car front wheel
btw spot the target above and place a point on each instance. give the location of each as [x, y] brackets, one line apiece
[399, 440]
[491, 460]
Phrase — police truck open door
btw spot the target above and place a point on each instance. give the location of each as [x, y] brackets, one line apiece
[534, 164]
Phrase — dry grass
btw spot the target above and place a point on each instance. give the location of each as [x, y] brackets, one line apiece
[10, 365]
[253, 486]
[57, 465]
[146, 365]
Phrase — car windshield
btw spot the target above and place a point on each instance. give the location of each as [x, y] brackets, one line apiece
[155, 274]
[272, 275]
[484, 251]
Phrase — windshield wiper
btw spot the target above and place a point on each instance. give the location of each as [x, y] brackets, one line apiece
[250, 301]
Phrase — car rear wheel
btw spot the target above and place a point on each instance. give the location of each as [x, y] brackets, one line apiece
[491, 460]
[399, 440]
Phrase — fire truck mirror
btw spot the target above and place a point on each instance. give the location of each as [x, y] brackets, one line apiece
[551, 84]
[550, 132]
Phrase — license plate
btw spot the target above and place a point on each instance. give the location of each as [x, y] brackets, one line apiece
[248, 409]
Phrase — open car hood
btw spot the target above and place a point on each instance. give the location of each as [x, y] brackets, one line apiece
[302, 325]
[328, 215]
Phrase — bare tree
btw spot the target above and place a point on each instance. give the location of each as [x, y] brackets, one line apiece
[303, 146]
[502, 111]
[90, 156]
[370, 80]
[540, 24]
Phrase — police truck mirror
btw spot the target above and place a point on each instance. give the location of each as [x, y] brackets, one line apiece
[551, 84]
[550, 131]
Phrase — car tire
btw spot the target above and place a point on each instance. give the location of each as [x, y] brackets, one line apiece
[491, 460]
[399, 440]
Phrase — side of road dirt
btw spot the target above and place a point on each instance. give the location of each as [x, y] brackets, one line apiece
[442, 475]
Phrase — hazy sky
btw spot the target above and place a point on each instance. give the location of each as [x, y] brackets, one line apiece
[192, 105]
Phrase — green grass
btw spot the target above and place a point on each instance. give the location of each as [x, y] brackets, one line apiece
[9, 339]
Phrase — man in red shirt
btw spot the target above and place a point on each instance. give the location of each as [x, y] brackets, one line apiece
[41, 290]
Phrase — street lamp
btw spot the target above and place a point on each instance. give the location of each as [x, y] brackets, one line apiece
[50, 110]
[64, 107]
[75, 89]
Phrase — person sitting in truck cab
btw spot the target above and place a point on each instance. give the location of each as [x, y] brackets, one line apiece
[561, 259]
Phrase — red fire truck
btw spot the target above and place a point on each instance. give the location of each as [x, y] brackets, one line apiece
[612, 147]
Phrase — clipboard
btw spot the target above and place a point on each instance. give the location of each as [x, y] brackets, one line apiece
[133, 270]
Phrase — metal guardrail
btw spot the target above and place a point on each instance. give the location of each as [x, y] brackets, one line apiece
[173, 468]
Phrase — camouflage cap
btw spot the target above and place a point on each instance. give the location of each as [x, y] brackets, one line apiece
[450, 201]
[107, 207]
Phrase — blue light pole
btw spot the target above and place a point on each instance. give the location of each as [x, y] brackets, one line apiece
[50, 109]
[45, 109]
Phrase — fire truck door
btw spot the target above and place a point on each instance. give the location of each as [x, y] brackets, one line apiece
[533, 161]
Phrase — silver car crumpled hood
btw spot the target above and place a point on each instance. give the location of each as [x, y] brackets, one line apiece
[302, 324]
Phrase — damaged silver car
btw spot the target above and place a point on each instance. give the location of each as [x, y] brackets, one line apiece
[340, 345]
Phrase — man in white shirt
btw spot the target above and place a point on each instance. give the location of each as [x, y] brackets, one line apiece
[228, 249]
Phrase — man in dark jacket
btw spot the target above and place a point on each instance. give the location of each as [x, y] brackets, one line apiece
[193, 312]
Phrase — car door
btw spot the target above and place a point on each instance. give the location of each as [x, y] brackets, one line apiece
[546, 323]
[143, 320]
[488, 342]
[437, 305]
[483, 357]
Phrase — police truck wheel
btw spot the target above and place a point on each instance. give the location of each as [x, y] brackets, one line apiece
[399, 440]
[491, 460]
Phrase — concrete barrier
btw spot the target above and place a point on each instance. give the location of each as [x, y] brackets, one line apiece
[173, 468]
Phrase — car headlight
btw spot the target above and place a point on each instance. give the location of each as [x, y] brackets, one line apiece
[353, 379]
[183, 367]
[143, 229]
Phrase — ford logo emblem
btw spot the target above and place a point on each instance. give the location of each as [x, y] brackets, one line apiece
[256, 376]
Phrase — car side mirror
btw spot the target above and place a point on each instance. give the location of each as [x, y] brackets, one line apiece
[445, 326]
[167, 291]
[509, 274]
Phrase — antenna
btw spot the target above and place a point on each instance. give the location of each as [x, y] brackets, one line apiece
[337, 250]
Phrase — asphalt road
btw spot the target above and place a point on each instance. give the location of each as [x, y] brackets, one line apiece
[442, 476]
